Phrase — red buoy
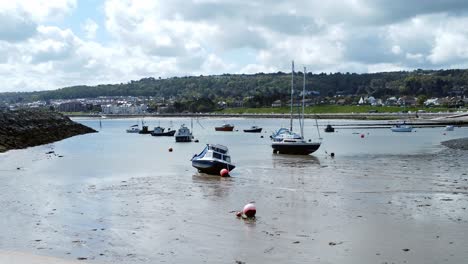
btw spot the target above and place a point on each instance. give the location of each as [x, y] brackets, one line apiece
[362, 135]
[249, 210]
[224, 173]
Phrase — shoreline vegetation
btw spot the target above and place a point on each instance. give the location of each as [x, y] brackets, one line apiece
[319, 112]
[27, 128]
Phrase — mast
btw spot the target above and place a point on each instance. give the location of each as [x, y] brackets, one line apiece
[303, 102]
[292, 91]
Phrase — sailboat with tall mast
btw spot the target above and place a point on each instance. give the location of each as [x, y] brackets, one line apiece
[285, 141]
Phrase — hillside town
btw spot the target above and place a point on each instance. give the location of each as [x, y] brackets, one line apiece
[130, 105]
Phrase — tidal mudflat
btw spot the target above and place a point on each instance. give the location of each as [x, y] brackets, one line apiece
[112, 197]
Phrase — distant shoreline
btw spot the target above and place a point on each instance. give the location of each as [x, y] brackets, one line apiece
[352, 116]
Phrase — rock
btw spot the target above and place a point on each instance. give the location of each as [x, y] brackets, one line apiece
[31, 127]
[460, 143]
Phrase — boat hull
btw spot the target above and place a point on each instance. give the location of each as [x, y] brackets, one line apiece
[256, 130]
[183, 138]
[211, 167]
[164, 134]
[295, 148]
[224, 128]
[402, 129]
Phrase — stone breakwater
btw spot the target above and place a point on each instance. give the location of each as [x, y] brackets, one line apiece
[459, 143]
[27, 128]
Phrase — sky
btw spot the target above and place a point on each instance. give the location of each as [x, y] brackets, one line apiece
[50, 44]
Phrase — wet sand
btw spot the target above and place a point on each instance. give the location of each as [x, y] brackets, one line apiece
[9, 257]
[354, 208]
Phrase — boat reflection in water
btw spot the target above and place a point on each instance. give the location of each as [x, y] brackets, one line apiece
[290, 161]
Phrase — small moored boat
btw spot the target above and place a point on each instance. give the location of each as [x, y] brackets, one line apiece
[225, 127]
[253, 129]
[287, 142]
[159, 132]
[145, 130]
[183, 134]
[402, 128]
[329, 129]
[449, 128]
[133, 129]
[213, 159]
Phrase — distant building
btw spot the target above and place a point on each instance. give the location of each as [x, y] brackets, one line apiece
[124, 109]
[407, 101]
[71, 107]
[276, 103]
[341, 101]
[432, 102]
[391, 101]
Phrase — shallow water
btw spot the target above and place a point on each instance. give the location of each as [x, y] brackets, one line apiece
[123, 198]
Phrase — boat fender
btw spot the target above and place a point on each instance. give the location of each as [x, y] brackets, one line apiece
[224, 173]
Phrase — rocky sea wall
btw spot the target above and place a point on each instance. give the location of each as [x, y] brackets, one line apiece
[26, 128]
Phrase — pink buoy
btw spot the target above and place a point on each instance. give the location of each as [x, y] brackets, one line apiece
[224, 173]
[249, 210]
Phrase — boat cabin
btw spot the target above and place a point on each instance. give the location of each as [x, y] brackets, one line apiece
[219, 152]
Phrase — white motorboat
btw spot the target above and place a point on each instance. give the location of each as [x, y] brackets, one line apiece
[183, 134]
[133, 129]
[213, 159]
[449, 128]
[402, 128]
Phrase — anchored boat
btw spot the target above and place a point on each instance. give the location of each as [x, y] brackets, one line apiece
[285, 141]
[253, 129]
[159, 132]
[213, 159]
[225, 127]
[401, 128]
[133, 129]
[183, 134]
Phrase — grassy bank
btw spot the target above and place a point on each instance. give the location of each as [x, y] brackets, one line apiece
[332, 109]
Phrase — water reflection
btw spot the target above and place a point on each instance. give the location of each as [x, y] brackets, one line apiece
[297, 161]
[212, 185]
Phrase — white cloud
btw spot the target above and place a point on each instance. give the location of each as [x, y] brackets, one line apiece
[180, 37]
[90, 28]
